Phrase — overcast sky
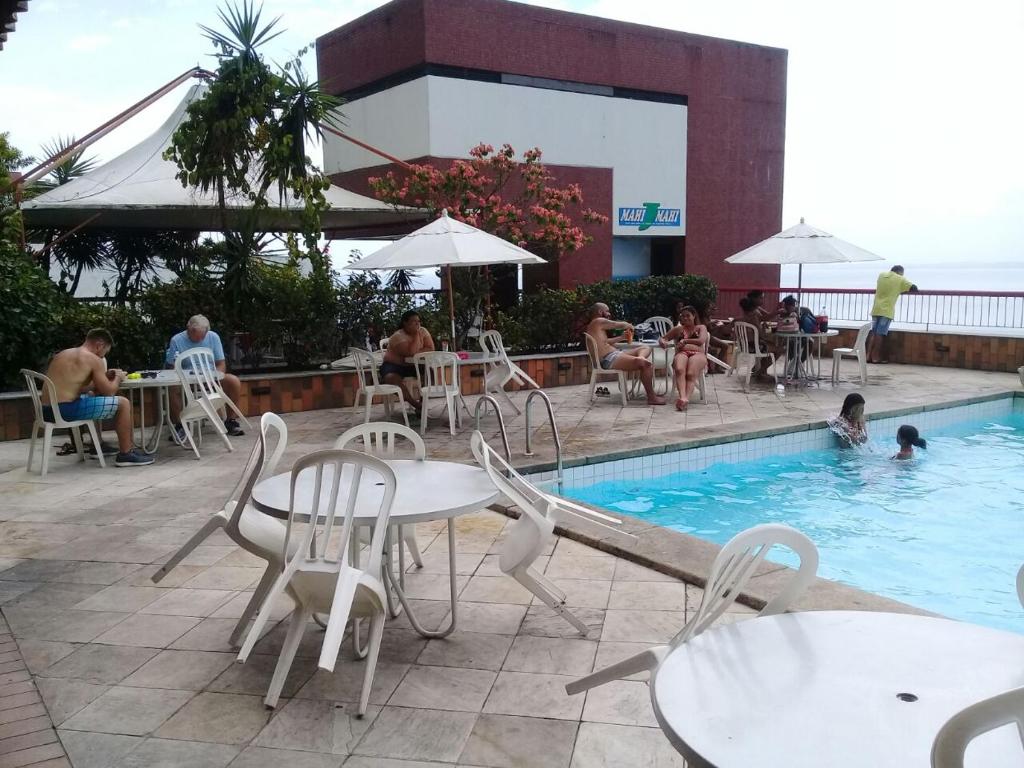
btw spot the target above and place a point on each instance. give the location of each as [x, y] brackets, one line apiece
[905, 123]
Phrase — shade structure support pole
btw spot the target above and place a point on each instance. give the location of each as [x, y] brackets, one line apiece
[451, 304]
[51, 162]
[368, 147]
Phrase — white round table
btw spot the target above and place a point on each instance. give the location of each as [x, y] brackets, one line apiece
[163, 382]
[426, 490]
[834, 688]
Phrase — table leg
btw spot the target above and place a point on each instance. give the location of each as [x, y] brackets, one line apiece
[394, 584]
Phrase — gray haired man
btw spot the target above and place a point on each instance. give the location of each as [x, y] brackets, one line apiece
[198, 334]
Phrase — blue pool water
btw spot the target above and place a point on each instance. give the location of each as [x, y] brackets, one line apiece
[944, 532]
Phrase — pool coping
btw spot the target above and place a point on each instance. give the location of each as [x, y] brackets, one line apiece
[689, 558]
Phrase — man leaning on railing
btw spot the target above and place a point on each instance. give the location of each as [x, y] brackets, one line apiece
[891, 285]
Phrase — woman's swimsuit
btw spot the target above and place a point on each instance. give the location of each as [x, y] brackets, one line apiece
[695, 337]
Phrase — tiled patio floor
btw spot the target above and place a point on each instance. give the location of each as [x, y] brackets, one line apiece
[134, 674]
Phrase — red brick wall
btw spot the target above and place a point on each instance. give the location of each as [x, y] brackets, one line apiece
[736, 94]
[947, 350]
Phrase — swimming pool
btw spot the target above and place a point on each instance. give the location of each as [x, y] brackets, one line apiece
[944, 532]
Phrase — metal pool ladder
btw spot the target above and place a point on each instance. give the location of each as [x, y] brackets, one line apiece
[485, 399]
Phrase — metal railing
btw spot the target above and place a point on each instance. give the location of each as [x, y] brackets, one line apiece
[993, 312]
[554, 432]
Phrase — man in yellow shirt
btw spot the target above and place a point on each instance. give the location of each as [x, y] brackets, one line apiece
[890, 285]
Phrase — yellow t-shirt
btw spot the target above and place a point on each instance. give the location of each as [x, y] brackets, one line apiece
[890, 286]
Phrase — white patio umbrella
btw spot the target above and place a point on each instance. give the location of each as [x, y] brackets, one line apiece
[448, 243]
[802, 244]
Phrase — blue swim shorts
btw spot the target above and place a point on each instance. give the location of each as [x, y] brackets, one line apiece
[85, 408]
[880, 325]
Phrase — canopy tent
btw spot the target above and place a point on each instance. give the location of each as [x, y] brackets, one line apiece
[138, 190]
[802, 244]
[449, 243]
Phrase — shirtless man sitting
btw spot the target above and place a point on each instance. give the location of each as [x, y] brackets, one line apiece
[621, 359]
[410, 339]
[87, 391]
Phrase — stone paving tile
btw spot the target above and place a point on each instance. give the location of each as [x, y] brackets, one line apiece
[505, 741]
[130, 711]
[533, 695]
[166, 753]
[101, 663]
[318, 726]
[224, 718]
[183, 670]
[417, 734]
[152, 631]
[471, 650]
[599, 745]
[262, 757]
[97, 750]
[64, 698]
[551, 655]
[443, 688]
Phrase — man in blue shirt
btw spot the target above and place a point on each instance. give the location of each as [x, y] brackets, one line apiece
[198, 334]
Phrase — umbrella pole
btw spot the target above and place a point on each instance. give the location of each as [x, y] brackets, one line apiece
[799, 286]
[451, 306]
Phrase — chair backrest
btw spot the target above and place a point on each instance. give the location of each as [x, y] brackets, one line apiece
[338, 479]
[747, 337]
[951, 742]
[661, 324]
[35, 382]
[491, 344]
[384, 341]
[271, 422]
[379, 439]
[737, 562]
[591, 342]
[862, 337]
[242, 492]
[437, 369]
[526, 537]
[365, 363]
[197, 371]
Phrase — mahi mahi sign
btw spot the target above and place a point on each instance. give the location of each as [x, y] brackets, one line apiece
[649, 215]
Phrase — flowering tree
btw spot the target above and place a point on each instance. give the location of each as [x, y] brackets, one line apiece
[516, 201]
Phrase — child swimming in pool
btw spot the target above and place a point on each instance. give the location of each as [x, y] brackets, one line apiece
[908, 438]
[849, 425]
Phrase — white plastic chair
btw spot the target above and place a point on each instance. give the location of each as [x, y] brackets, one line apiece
[256, 533]
[438, 375]
[730, 572]
[35, 382]
[203, 396]
[365, 363]
[323, 573]
[529, 535]
[599, 374]
[379, 439]
[951, 742]
[748, 351]
[858, 351]
[661, 324]
[499, 370]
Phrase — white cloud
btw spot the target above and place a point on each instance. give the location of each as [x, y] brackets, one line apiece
[89, 43]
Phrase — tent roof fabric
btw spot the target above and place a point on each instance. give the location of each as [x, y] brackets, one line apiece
[138, 190]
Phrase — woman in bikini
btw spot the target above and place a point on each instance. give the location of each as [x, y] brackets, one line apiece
[690, 340]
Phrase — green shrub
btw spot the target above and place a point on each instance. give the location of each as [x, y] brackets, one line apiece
[138, 344]
[636, 300]
[31, 304]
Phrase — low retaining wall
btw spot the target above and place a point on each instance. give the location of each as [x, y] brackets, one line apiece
[948, 350]
[315, 390]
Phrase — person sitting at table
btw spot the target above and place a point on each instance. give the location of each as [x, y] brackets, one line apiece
[755, 300]
[849, 425]
[610, 358]
[410, 339]
[754, 315]
[197, 333]
[87, 391]
[690, 339]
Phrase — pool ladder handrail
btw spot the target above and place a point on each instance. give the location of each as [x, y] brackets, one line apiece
[554, 431]
[485, 399]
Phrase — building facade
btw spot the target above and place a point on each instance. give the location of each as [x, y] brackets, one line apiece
[677, 138]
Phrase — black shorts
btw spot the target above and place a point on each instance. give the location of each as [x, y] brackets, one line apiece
[406, 371]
